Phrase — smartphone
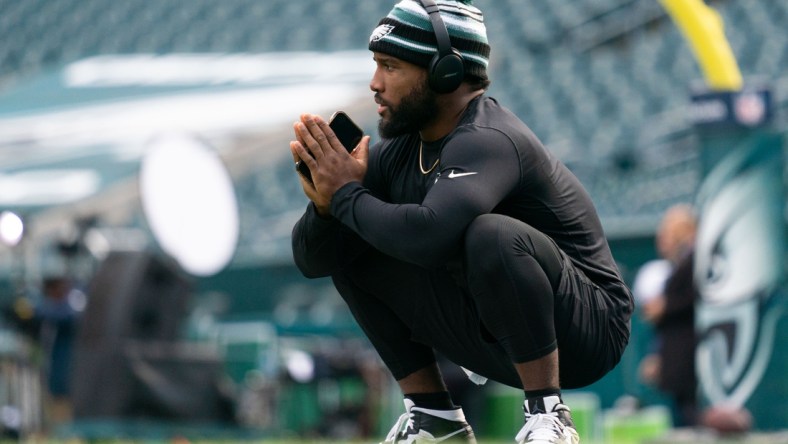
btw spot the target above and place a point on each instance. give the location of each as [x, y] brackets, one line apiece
[348, 133]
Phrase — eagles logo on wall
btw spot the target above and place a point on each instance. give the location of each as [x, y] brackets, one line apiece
[740, 270]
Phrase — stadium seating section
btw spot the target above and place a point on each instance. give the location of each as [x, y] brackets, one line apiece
[604, 83]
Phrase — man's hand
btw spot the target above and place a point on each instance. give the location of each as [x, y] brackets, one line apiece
[654, 309]
[329, 162]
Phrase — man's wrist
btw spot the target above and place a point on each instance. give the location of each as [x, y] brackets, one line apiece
[324, 212]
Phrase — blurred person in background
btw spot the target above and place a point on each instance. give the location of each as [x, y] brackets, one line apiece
[57, 319]
[49, 318]
[673, 237]
[459, 232]
[674, 320]
[670, 306]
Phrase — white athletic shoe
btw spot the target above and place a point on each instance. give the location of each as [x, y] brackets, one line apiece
[547, 422]
[418, 425]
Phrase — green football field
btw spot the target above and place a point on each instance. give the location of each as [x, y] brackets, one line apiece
[772, 438]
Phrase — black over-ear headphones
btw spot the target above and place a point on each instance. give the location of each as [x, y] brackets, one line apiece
[446, 70]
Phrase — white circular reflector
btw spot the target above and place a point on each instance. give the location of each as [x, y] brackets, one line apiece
[11, 228]
[188, 199]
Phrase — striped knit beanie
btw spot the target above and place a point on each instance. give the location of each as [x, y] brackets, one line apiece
[406, 33]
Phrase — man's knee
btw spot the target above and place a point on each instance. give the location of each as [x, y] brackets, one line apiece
[493, 240]
[483, 226]
[482, 240]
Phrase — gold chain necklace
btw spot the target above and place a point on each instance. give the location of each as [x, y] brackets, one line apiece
[421, 162]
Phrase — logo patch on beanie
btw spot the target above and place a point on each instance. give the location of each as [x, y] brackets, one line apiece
[380, 32]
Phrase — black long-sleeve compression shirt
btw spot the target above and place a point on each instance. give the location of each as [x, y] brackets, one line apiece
[491, 162]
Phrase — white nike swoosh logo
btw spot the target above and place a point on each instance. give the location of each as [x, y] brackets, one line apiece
[452, 175]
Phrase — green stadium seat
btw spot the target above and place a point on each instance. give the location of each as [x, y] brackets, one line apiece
[590, 102]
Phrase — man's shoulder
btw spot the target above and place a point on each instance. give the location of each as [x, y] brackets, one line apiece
[487, 112]
[488, 120]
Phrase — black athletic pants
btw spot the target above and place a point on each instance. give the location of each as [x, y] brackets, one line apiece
[515, 298]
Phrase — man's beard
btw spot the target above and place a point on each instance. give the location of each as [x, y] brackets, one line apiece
[413, 113]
